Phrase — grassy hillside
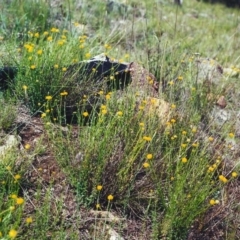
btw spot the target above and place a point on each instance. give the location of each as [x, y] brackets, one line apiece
[127, 164]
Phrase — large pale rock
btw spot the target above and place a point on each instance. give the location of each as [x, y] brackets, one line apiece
[11, 141]
[209, 70]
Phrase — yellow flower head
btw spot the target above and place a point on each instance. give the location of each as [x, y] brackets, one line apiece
[64, 93]
[146, 138]
[39, 52]
[88, 55]
[64, 69]
[56, 66]
[25, 87]
[231, 135]
[48, 97]
[99, 187]
[27, 146]
[43, 115]
[184, 160]
[11, 208]
[55, 30]
[108, 96]
[33, 67]
[194, 129]
[234, 174]
[119, 113]
[19, 201]
[110, 197]
[98, 206]
[223, 179]
[50, 38]
[12, 233]
[149, 156]
[212, 202]
[29, 220]
[17, 176]
[146, 165]
[13, 196]
[210, 139]
[104, 111]
[85, 114]
[36, 35]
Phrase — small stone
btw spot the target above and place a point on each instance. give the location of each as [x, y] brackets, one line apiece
[221, 102]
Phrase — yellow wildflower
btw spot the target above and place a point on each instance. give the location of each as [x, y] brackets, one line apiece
[33, 67]
[17, 177]
[212, 202]
[27, 146]
[234, 174]
[8, 168]
[119, 113]
[141, 124]
[183, 145]
[98, 206]
[146, 138]
[194, 129]
[146, 165]
[55, 30]
[13, 196]
[184, 160]
[180, 78]
[85, 114]
[88, 55]
[25, 87]
[210, 169]
[64, 69]
[50, 38]
[48, 97]
[231, 135]
[99, 187]
[110, 197]
[149, 156]
[11, 208]
[19, 201]
[39, 52]
[29, 220]
[223, 179]
[64, 93]
[104, 111]
[108, 96]
[210, 139]
[36, 35]
[171, 83]
[12, 233]
[196, 144]
[43, 115]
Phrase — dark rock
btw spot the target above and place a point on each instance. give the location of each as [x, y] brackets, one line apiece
[7, 75]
